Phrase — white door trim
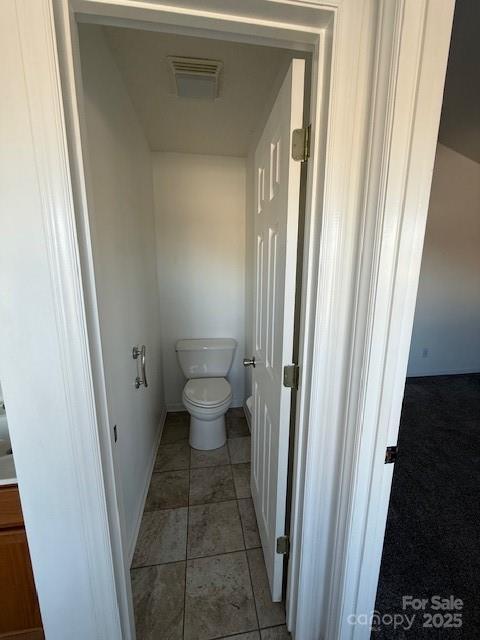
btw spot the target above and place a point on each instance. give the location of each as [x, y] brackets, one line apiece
[46, 369]
[397, 206]
[134, 14]
[366, 209]
[364, 314]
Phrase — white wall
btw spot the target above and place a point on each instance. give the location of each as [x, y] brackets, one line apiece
[200, 216]
[124, 252]
[447, 317]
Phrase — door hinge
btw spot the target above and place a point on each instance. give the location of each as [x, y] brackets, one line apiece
[291, 374]
[283, 545]
[391, 455]
[301, 143]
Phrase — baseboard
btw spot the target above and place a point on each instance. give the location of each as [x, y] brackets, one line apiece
[248, 416]
[444, 372]
[237, 402]
[148, 476]
[175, 407]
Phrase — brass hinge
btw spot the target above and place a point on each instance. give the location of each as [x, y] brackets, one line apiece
[301, 143]
[283, 545]
[391, 455]
[291, 374]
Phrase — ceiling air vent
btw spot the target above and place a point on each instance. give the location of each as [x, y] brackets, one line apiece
[195, 77]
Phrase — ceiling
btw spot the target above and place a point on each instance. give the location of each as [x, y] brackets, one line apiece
[225, 126]
[460, 122]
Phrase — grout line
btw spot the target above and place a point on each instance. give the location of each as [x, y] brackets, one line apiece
[212, 555]
[253, 592]
[234, 485]
[188, 506]
[193, 504]
[217, 466]
[249, 571]
[156, 564]
[235, 635]
[168, 470]
[241, 525]
[274, 626]
[239, 633]
[218, 553]
[186, 549]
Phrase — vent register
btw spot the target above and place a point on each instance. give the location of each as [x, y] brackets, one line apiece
[195, 77]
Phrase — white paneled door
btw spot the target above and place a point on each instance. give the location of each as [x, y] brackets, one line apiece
[277, 190]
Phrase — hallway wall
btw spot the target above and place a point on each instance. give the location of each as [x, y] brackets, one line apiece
[447, 316]
[124, 253]
[200, 219]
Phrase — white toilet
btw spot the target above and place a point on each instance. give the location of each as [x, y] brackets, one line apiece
[207, 394]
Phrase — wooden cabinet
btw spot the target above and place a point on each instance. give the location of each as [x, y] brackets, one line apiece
[19, 613]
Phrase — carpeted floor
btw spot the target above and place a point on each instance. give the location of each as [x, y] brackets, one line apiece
[432, 542]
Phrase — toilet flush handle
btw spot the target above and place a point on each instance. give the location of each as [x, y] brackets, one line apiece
[249, 362]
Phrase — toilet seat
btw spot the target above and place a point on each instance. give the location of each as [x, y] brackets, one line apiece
[207, 392]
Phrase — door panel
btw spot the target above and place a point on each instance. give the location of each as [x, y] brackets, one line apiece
[277, 190]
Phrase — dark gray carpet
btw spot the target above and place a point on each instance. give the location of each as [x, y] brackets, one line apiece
[432, 542]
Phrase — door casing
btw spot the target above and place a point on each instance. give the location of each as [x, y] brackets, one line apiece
[375, 109]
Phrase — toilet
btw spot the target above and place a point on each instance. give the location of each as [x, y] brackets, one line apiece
[207, 394]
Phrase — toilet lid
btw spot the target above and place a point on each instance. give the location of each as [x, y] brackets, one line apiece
[207, 392]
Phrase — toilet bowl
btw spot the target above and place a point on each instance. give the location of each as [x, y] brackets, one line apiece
[207, 394]
[207, 401]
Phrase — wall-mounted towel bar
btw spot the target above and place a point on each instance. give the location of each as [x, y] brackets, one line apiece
[138, 354]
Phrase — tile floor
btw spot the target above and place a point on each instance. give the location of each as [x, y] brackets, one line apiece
[198, 571]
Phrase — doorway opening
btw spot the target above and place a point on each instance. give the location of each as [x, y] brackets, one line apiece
[429, 574]
[185, 155]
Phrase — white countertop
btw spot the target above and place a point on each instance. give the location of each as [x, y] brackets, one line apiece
[8, 474]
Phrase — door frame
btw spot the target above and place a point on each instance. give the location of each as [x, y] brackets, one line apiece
[375, 130]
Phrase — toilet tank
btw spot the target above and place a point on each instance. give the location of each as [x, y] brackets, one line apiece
[208, 358]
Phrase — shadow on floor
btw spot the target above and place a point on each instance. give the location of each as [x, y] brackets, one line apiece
[432, 541]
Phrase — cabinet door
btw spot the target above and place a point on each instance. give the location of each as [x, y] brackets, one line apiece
[18, 598]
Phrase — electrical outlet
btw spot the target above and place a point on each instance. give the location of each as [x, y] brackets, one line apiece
[425, 353]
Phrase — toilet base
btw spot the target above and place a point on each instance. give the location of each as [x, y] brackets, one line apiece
[207, 434]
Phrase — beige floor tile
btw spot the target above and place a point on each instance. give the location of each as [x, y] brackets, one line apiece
[214, 529]
[253, 635]
[158, 601]
[175, 432]
[162, 537]
[173, 456]
[237, 427]
[219, 599]
[177, 417]
[249, 523]
[269, 613]
[275, 633]
[214, 484]
[239, 449]
[168, 490]
[212, 458]
[241, 478]
[236, 412]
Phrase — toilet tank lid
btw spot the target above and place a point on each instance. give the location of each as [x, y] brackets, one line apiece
[196, 344]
